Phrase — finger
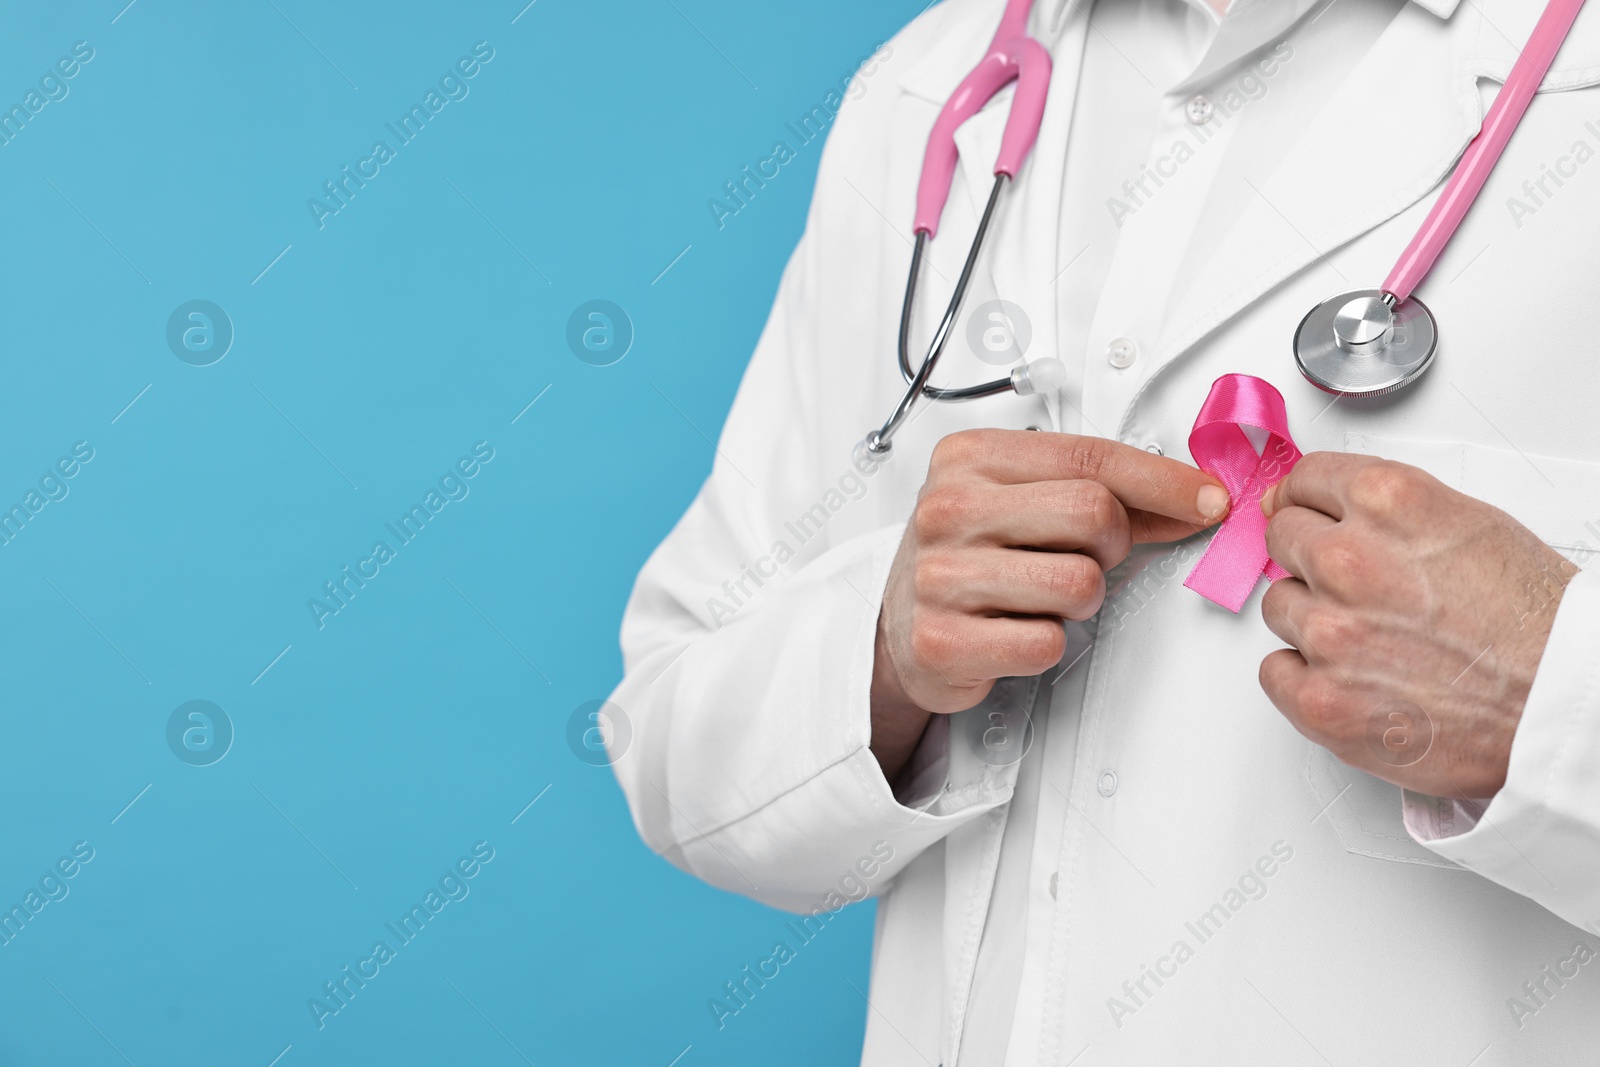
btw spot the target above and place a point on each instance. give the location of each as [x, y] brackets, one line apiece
[1292, 536]
[1139, 479]
[983, 649]
[1148, 527]
[1066, 585]
[1283, 675]
[1283, 607]
[1318, 481]
[1058, 516]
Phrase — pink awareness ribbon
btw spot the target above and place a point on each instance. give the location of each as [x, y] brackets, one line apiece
[1237, 557]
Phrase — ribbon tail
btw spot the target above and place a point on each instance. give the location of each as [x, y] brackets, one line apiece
[1234, 561]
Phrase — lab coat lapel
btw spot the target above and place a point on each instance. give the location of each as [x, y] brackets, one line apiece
[1351, 169]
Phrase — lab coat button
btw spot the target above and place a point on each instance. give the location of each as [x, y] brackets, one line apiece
[1154, 449]
[1108, 783]
[1198, 110]
[1055, 877]
[1121, 352]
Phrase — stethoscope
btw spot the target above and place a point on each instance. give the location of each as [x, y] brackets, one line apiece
[1363, 343]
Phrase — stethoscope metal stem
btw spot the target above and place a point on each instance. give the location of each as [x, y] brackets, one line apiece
[1370, 342]
[880, 441]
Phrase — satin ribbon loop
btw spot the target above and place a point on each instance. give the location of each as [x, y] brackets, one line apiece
[1237, 557]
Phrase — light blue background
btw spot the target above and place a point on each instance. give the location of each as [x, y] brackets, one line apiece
[430, 711]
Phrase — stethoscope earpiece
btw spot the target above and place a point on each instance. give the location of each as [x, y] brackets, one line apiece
[1044, 375]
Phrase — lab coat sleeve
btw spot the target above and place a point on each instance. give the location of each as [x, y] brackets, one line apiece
[1540, 835]
[748, 702]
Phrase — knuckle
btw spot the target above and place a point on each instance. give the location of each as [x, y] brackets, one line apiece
[960, 449]
[1120, 545]
[1343, 563]
[1085, 457]
[941, 511]
[1116, 539]
[1078, 584]
[1268, 674]
[1093, 502]
[948, 452]
[1329, 632]
[933, 577]
[1058, 575]
[1312, 465]
[933, 641]
[1321, 707]
[1386, 488]
[1041, 646]
[1274, 675]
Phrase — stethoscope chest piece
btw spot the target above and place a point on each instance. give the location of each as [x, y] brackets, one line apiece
[1362, 343]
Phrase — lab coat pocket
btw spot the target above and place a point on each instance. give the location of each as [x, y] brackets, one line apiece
[1365, 812]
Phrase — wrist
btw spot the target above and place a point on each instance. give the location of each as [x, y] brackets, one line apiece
[897, 722]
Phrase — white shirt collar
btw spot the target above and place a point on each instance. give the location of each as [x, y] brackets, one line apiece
[1442, 8]
[1247, 26]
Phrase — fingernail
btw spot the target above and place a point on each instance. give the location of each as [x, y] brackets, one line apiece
[1212, 501]
[1269, 501]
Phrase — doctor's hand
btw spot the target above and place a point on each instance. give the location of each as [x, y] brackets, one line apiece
[1013, 531]
[1417, 616]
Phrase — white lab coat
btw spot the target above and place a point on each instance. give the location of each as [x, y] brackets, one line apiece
[749, 639]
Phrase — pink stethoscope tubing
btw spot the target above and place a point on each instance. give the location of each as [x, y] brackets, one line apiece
[1484, 151]
[1371, 342]
[1340, 345]
[1012, 56]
